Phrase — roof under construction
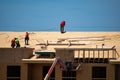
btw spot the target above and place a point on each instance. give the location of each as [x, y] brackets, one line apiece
[87, 42]
[71, 51]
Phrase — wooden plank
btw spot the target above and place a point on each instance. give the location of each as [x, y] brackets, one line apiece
[98, 55]
[108, 55]
[48, 44]
[83, 55]
[85, 49]
[88, 56]
[103, 56]
[78, 56]
[43, 60]
[93, 55]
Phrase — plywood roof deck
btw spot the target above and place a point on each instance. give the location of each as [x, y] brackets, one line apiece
[53, 40]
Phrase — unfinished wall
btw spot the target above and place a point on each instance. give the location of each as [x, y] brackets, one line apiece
[65, 54]
[58, 75]
[24, 71]
[12, 57]
[35, 71]
[86, 71]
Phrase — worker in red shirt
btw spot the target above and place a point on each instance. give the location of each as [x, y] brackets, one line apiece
[26, 38]
[13, 43]
[62, 24]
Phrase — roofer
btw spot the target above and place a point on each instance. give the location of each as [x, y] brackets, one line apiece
[26, 38]
[62, 24]
[17, 43]
[13, 42]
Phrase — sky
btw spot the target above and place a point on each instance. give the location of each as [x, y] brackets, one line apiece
[46, 15]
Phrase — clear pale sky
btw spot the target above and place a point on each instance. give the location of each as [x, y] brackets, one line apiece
[46, 15]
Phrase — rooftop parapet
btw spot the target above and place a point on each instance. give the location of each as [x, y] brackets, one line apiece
[15, 55]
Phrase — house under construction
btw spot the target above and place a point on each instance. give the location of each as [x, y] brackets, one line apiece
[70, 59]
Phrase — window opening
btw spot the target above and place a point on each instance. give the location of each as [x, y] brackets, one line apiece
[13, 72]
[98, 73]
[68, 75]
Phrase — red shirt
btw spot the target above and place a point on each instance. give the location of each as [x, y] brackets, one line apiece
[62, 23]
[12, 41]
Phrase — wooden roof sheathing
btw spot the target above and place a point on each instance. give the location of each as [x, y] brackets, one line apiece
[90, 39]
